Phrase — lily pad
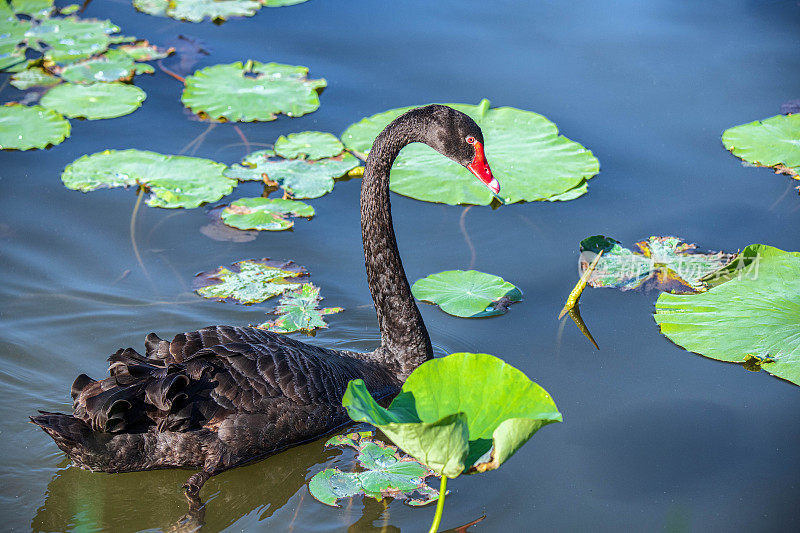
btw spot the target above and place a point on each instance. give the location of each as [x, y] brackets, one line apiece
[523, 148]
[463, 413]
[197, 10]
[467, 293]
[25, 127]
[95, 101]
[250, 281]
[750, 315]
[144, 51]
[662, 263]
[281, 3]
[33, 8]
[309, 145]
[251, 91]
[773, 142]
[264, 214]
[69, 39]
[174, 181]
[299, 311]
[12, 35]
[383, 472]
[299, 178]
[33, 77]
[110, 66]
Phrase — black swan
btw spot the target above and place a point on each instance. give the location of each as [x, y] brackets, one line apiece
[222, 396]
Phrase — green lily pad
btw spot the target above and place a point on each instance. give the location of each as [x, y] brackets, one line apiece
[463, 413]
[264, 214]
[281, 3]
[751, 314]
[198, 10]
[34, 8]
[174, 181]
[12, 35]
[110, 66]
[299, 178]
[250, 281]
[69, 39]
[95, 101]
[383, 473]
[144, 51]
[299, 311]
[33, 77]
[25, 127]
[662, 263]
[526, 153]
[251, 91]
[309, 145]
[773, 142]
[467, 293]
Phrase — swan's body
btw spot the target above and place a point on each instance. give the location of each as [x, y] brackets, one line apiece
[221, 396]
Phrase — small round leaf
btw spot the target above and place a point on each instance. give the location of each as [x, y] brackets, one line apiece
[309, 144]
[467, 293]
[266, 214]
[25, 127]
[95, 101]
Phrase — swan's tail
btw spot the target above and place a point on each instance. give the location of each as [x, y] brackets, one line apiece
[74, 436]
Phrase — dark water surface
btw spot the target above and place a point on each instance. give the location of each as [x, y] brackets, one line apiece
[654, 438]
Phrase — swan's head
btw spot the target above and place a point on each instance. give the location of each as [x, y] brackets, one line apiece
[458, 137]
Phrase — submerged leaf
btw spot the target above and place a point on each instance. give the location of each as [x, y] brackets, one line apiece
[524, 149]
[300, 312]
[467, 293]
[95, 101]
[250, 281]
[251, 91]
[447, 423]
[309, 145]
[25, 127]
[751, 312]
[662, 263]
[772, 142]
[174, 181]
[264, 214]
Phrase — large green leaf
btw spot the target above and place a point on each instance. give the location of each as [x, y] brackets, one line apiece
[467, 293]
[773, 142]
[68, 39]
[264, 214]
[251, 91]
[95, 101]
[250, 281]
[299, 311]
[662, 263]
[526, 153]
[174, 181]
[461, 413]
[308, 144]
[25, 127]
[751, 312]
[300, 178]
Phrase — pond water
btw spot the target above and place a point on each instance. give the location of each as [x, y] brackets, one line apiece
[654, 438]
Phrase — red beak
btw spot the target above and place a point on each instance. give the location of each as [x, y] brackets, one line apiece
[480, 167]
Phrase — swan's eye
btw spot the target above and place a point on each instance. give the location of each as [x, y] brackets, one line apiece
[471, 139]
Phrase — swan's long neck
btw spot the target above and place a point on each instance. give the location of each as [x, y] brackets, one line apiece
[404, 339]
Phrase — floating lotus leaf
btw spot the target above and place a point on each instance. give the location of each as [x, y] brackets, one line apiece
[300, 178]
[526, 153]
[773, 142]
[383, 473]
[95, 101]
[467, 293]
[197, 10]
[69, 39]
[463, 413]
[33, 77]
[110, 66]
[309, 144]
[25, 127]
[174, 181]
[281, 3]
[250, 281]
[751, 314]
[251, 91]
[662, 263]
[12, 35]
[299, 311]
[33, 8]
[265, 214]
[144, 51]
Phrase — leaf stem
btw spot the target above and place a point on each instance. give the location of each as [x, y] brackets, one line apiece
[575, 295]
[139, 195]
[437, 518]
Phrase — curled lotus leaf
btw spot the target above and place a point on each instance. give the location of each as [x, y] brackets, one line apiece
[446, 422]
[95, 101]
[299, 311]
[33, 77]
[772, 142]
[382, 472]
[251, 91]
[749, 315]
[264, 214]
[26, 127]
[300, 178]
[666, 264]
[174, 181]
[525, 150]
[308, 145]
[467, 293]
[250, 281]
